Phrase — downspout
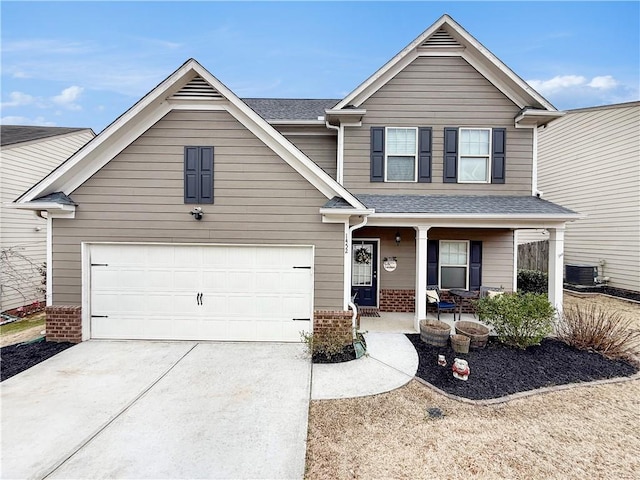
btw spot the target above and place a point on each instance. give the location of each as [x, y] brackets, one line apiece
[339, 152]
[351, 304]
[534, 172]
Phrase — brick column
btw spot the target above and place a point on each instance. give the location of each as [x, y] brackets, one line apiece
[328, 323]
[64, 323]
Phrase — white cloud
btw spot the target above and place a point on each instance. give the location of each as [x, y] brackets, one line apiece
[605, 82]
[566, 82]
[559, 82]
[16, 120]
[68, 97]
[18, 99]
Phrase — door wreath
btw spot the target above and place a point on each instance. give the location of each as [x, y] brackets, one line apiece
[362, 256]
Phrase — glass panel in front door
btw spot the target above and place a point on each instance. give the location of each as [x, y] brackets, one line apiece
[362, 265]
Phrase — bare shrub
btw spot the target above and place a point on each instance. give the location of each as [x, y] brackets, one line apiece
[597, 329]
[327, 344]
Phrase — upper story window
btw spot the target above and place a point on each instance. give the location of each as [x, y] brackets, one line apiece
[474, 155]
[474, 162]
[401, 154]
[198, 174]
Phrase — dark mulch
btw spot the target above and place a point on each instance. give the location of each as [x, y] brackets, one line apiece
[498, 370]
[348, 353]
[17, 358]
[614, 292]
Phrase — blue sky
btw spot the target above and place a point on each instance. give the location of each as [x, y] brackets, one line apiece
[82, 64]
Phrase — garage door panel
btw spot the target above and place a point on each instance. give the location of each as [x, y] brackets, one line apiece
[201, 292]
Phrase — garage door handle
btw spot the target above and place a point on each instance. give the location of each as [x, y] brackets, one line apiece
[199, 298]
[99, 316]
[308, 268]
[301, 319]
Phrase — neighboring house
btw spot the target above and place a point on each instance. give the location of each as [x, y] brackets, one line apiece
[199, 215]
[589, 161]
[27, 154]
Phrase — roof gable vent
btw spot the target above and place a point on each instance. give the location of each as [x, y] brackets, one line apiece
[197, 88]
[441, 38]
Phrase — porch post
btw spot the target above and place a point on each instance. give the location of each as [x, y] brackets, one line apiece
[421, 275]
[556, 263]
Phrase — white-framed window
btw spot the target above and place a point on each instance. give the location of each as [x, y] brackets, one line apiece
[474, 155]
[454, 264]
[401, 152]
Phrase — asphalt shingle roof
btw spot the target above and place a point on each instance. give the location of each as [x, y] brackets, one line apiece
[57, 197]
[11, 134]
[456, 204]
[289, 108]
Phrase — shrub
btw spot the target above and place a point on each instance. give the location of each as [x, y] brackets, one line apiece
[533, 281]
[520, 320]
[328, 344]
[599, 330]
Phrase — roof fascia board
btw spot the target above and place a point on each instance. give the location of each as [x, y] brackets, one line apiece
[478, 222]
[296, 122]
[48, 206]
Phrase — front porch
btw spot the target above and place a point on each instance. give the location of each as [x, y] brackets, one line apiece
[399, 322]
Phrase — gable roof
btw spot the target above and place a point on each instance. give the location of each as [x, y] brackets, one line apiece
[274, 109]
[447, 38]
[190, 87]
[12, 134]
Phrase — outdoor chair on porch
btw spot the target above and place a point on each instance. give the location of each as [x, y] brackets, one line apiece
[433, 299]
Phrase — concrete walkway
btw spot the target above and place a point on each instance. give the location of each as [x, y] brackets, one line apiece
[390, 363]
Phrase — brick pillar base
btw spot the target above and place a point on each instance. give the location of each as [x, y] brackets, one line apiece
[394, 300]
[64, 323]
[333, 323]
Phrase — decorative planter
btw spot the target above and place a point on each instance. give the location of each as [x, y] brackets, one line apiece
[460, 343]
[434, 332]
[478, 334]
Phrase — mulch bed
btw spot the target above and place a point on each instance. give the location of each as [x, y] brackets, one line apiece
[17, 358]
[497, 370]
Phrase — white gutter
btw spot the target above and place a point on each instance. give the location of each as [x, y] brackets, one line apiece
[347, 262]
[340, 151]
[534, 171]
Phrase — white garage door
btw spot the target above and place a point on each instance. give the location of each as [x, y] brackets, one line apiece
[186, 292]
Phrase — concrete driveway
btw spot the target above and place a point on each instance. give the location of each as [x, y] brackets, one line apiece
[141, 409]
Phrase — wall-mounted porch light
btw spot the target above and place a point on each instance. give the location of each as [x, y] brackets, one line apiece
[398, 238]
[197, 213]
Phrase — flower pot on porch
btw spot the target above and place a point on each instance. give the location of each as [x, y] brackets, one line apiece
[434, 332]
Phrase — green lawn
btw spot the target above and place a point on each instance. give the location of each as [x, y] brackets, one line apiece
[35, 320]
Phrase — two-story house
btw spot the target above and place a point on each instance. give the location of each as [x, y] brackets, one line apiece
[200, 215]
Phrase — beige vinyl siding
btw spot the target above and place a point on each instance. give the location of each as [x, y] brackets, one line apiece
[259, 199]
[497, 253]
[319, 144]
[439, 92]
[589, 161]
[21, 166]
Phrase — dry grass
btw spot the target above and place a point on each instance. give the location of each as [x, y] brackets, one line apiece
[587, 432]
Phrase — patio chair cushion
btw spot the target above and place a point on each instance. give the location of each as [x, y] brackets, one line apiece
[433, 296]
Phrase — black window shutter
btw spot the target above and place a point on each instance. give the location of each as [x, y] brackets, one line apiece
[475, 265]
[498, 165]
[198, 174]
[191, 175]
[450, 166]
[424, 154]
[377, 154]
[206, 175]
[432, 262]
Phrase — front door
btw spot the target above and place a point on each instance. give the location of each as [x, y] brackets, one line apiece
[364, 272]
